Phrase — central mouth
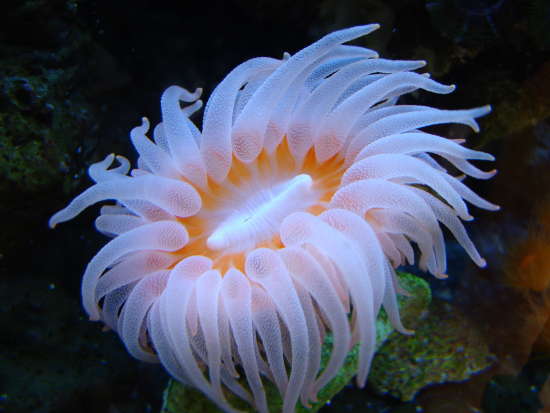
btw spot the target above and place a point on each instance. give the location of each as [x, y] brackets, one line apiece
[259, 217]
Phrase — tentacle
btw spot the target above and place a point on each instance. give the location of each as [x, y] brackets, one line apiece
[468, 195]
[305, 270]
[361, 196]
[364, 240]
[175, 298]
[216, 134]
[301, 227]
[397, 222]
[235, 290]
[162, 345]
[113, 303]
[208, 289]
[264, 315]
[114, 225]
[390, 166]
[314, 340]
[334, 65]
[176, 197]
[163, 236]
[403, 246]
[338, 124]
[249, 130]
[160, 138]
[263, 266]
[280, 118]
[390, 302]
[467, 168]
[305, 121]
[406, 122]
[374, 115]
[447, 216]
[160, 162]
[183, 148]
[133, 268]
[140, 300]
[98, 171]
[411, 143]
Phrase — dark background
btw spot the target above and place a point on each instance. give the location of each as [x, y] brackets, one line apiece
[78, 76]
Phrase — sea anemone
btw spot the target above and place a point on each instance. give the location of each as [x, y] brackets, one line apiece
[237, 248]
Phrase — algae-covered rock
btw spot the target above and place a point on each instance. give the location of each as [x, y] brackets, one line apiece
[471, 22]
[45, 110]
[516, 106]
[446, 347]
[179, 398]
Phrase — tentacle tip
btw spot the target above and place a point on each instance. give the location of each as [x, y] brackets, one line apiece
[405, 293]
[105, 328]
[496, 208]
[426, 75]
[360, 382]
[452, 88]
[422, 63]
[467, 218]
[441, 276]
[376, 56]
[408, 332]
[94, 318]
[306, 404]
[52, 224]
[488, 108]
[376, 26]
[286, 56]
[482, 263]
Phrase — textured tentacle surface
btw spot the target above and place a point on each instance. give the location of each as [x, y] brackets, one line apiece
[216, 139]
[180, 139]
[249, 130]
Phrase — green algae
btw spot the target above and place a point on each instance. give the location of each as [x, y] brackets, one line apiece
[179, 398]
[516, 106]
[43, 106]
[445, 348]
[46, 110]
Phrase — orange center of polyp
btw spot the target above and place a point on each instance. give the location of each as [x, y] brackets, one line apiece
[233, 222]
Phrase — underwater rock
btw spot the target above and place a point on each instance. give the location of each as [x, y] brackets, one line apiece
[521, 105]
[445, 348]
[538, 19]
[179, 398]
[520, 393]
[45, 110]
[472, 21]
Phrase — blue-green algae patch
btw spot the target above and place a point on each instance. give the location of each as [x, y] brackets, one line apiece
[446, 347]
[179, 398]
